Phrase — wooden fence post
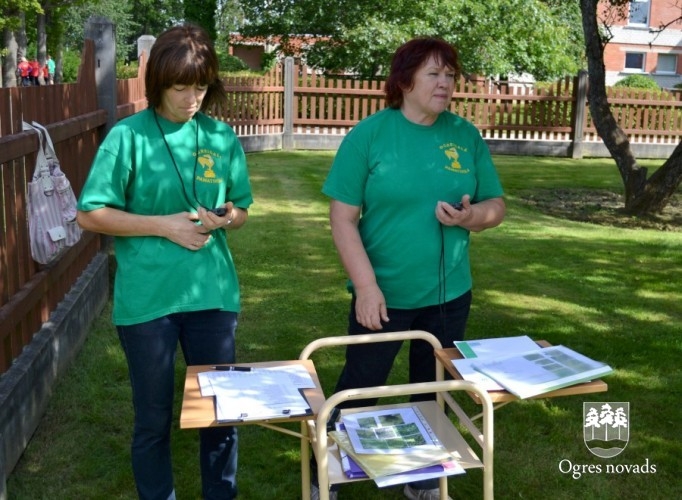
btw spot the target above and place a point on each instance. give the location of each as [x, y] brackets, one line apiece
[579, 110]
[288, 131]
[101, 31]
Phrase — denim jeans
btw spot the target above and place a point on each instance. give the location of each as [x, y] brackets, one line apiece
[206, 337]
[369, 365]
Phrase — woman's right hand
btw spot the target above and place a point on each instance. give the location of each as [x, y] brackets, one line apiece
[183, 230]
[370, 307]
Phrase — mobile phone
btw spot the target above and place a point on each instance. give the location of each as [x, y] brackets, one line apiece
[457, 205]
[220, 211]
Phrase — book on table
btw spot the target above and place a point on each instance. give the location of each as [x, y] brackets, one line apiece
[392, 446]
[353, 470]
[541, 370]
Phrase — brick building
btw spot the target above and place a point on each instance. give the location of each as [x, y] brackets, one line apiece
[252, 50]
[636, 48]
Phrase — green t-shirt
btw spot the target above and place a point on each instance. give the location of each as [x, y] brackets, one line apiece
[133, 171]
[396, 171]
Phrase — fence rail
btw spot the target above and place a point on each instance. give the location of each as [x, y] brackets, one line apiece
[255, 104]
[29, 292]
[502, 111]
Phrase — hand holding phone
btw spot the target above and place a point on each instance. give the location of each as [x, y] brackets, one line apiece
[220, 211]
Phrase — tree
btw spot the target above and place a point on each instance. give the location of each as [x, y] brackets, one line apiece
[29, 22]
[151, 17]
[493, 37]
[229, 17]
[120, 13]
[642, 195]
[132, 19]
[12, 19]
[202, 13]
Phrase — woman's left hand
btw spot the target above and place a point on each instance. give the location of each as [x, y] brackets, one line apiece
[483, 215]
[212, 221]
[451, 216]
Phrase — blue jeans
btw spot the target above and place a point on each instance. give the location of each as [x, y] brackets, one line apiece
[369, 365]
[206, 337]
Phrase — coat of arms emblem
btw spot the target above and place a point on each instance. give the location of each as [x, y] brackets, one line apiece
[606, 428]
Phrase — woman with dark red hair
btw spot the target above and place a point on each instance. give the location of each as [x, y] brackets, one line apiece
[407, 186]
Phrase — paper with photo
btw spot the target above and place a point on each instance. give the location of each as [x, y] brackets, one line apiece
[392, 431]
[380, 465]
[536, 372]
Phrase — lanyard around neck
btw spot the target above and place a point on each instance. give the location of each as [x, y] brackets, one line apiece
[177, 170]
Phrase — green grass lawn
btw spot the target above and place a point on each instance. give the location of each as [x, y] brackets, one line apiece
[613, 294]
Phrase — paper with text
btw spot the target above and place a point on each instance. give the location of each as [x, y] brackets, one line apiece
[539, 371]
[497, 346]
[254, 395]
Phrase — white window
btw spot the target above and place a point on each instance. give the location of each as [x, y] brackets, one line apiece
[667, 63]
[634, 61]
[639, 12]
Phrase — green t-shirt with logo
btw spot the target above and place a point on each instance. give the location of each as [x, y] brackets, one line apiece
[134, 171]
[396, 171]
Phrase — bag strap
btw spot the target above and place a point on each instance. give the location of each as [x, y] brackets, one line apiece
[42, 169]
[48, 147]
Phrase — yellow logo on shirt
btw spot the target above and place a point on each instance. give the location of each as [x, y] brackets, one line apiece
[452, 152]
[207, 161]
[453, 155]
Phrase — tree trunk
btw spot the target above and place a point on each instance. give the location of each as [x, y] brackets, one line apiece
[42, 39]
[660, 187]
[20, 34]
[9, 66]
[641, 195]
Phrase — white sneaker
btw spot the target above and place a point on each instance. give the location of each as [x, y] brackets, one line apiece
[414, 494]
[315, 493]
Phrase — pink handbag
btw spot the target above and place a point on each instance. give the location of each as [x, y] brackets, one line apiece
[51, 204]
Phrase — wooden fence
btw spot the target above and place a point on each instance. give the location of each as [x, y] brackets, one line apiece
[29, 292]
[503, 111]
[255, 104]
[289, 103]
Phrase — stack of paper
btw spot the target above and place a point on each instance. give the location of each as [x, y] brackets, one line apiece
[475, 350]
[391, 447]
[536, 372]
[256, 394]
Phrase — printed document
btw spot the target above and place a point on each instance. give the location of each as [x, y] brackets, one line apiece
[295, 374]
[474, 350]
[393, 431]
[353, 470]
[539, 371]
[497, 346]
[257, 394]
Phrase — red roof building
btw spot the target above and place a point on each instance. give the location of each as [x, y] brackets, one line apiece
[251, 50]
